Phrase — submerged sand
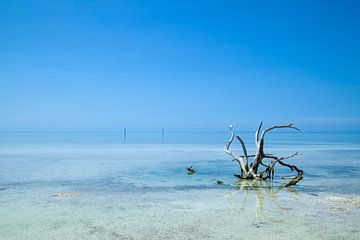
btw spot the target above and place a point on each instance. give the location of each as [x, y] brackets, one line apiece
[143, 192]
[181, 214]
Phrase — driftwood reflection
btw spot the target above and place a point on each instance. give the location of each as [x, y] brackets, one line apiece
[255, 194]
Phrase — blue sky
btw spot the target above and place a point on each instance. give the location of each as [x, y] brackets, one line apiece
[106, 65]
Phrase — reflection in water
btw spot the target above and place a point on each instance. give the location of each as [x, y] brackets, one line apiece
[260, 193]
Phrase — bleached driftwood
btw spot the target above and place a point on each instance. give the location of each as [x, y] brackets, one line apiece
[252, 171]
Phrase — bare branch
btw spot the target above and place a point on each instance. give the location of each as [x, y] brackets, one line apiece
[244, 150]
[231, 136]
[239, 176]
[249, 156]
[293, 180]
[292, 167]
[239, 159]
[257, 134]
[290, 125]
[282, 158]
[291, 156]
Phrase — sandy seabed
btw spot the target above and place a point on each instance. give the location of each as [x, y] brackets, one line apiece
[180, 214]
[104, 191]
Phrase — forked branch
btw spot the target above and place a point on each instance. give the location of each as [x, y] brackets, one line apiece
[242, 160]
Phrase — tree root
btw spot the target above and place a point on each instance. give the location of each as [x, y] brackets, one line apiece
[252, 171]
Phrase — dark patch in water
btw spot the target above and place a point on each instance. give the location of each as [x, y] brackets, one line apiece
[3, 188]
[259, 224]
[196, 187]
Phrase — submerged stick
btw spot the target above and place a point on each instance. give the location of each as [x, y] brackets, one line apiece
[190, 169]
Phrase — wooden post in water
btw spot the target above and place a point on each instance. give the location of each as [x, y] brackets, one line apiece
[163, 135]
[124, 135]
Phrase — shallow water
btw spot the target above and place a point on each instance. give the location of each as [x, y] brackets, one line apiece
[96, 186]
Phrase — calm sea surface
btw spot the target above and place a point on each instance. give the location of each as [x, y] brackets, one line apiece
[97, 185]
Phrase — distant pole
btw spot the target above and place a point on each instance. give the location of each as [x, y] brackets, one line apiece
[125, 135]
[163, 134]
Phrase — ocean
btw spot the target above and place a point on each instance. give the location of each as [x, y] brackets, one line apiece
[99, 185]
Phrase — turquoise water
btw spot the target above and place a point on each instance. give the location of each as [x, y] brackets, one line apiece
[98, 186]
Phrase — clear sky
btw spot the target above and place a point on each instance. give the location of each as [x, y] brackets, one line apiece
[106, 65]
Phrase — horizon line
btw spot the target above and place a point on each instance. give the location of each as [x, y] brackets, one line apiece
[163, 130]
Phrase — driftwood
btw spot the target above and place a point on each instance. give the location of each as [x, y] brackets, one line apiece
[190, 170]
[252, 170]
[219, 182]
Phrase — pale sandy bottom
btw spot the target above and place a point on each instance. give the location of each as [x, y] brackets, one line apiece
[180, 214]
[105, 191]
